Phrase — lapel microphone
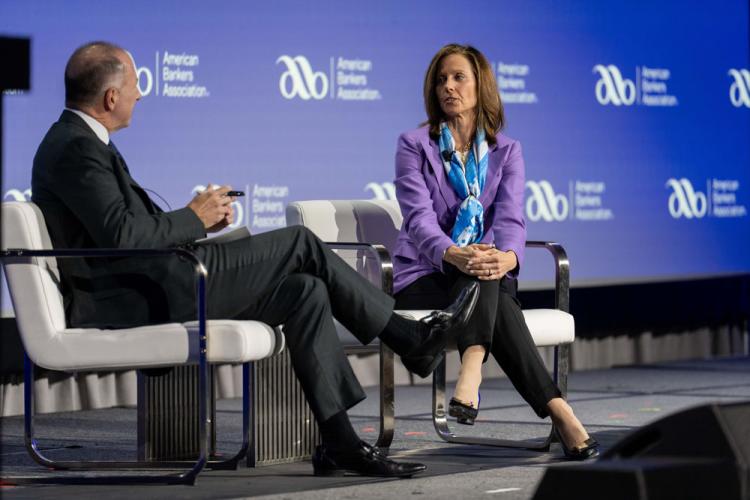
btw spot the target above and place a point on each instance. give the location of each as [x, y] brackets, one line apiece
[447, 155]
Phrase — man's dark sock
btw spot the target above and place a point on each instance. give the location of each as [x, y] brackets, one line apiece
[338, 434]
[403, 335]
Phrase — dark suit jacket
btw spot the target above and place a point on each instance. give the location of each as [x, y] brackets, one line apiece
[89, 200]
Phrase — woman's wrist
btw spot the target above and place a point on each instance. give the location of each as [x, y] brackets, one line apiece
[449, 253]
[513, 260]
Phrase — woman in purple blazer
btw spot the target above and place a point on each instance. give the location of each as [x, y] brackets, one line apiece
[460, 185]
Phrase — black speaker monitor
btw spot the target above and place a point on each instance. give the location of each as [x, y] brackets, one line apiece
[710, 431]
[702, 452]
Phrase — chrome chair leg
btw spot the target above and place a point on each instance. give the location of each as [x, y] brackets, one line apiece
[560, 376]
[187, 477]
[387, 409]
[562, 368]
[440, 421]
[231, 463]
[32, 447]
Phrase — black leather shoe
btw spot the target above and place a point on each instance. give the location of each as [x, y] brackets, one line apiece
[445, 326]
[590, 448]
[422, 365]
[464, 414]
[364, 460]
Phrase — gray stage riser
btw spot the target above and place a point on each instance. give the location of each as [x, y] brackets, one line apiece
[284, 428]
[168, 415]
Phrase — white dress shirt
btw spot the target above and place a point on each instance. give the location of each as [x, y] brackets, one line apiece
[100, 130]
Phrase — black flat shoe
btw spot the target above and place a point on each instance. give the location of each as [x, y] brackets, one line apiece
[590, 448]
[364, 460]
[464, 414]
[445, 326]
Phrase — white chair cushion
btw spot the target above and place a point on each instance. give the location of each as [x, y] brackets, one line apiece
[76, 349]
[234, 341]
[229, 341]
[548, 327]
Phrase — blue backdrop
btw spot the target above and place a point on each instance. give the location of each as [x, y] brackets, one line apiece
[634, 116]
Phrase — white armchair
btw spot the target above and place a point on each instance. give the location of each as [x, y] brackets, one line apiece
[33, 280]
[374, 225]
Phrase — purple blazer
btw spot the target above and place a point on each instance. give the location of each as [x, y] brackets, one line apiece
[429, 204]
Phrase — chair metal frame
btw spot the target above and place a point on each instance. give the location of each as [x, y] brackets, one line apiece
[440, 422]
[560, 370]
[194, 468]
[387, 379]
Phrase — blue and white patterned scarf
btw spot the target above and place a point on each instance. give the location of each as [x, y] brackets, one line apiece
[468, 181]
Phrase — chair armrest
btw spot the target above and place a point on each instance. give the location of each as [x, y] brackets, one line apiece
[382, 254]
[562, 266]
[562, 272]
[98, 252]
[200, 271]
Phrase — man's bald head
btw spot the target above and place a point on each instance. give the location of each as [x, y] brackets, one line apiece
[91, 70]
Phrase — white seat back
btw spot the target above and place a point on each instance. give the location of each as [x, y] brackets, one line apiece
[351, 221]
[33, 282]
[355, 220]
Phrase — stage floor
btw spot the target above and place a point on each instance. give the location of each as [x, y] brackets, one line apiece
[609, 402]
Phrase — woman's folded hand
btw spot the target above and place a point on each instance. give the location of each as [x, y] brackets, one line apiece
[489, 263]
[460, 257]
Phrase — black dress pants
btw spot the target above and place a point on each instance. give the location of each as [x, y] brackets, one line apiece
[290, 277]
[497, 324]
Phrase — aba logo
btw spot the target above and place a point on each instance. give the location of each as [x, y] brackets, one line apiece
[739, 91]
[612, 88]
[382, 191]
[17, 195]
[299, 79]
[686, 201]
[145, 80]
[544, 203]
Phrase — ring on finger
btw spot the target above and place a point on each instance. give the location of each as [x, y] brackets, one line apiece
[489, 273]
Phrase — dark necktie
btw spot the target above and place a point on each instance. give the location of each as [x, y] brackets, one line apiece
[142, 192]
[116, 151]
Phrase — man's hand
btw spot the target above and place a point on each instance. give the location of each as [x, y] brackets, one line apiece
[214, 208]
[490, 263]
[223, 223]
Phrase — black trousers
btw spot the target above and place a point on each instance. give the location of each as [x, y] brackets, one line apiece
[497, 323]
[290, 277]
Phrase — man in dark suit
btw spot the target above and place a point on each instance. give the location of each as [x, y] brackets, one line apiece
[89, 199]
